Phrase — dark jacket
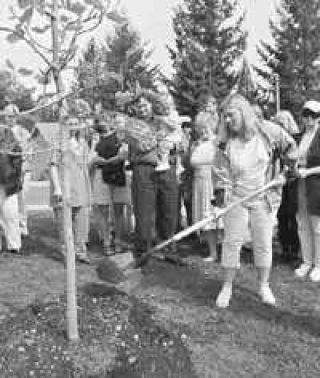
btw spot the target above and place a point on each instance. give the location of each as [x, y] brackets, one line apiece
[313, 182]
[114, 173]
[10, 162]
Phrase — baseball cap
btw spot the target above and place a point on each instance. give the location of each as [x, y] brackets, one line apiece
[312, 106]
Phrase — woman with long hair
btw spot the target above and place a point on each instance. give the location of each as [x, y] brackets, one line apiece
[248, 152]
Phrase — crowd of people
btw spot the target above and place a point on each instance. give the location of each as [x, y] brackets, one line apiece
[147, 171]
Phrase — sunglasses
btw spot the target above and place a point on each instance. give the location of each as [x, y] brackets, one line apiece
[306, 113]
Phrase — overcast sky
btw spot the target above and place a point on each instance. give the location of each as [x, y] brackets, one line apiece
[152, 18]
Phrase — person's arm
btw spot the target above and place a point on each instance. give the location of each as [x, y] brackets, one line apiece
[57, 191]
[284, 142]
[305, 172]
[140, 136]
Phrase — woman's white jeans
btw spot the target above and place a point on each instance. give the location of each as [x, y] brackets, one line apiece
[236, 224]
[308, 229]
[9, 220]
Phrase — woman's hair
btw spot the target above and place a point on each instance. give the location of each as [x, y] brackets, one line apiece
[204, 100]
[249, 118]
[285, 119]
[205, 119]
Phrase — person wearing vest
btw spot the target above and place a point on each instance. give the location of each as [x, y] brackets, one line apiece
[308, 216]
[248, 155]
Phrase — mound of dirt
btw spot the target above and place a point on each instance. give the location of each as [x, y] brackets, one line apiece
[118, 338]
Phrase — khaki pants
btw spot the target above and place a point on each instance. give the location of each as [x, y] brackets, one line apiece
[308, 229]
[236, 224]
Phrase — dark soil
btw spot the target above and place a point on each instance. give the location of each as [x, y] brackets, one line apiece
[118, 338]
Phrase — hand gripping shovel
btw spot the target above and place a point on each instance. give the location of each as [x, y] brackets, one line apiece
[198, 225]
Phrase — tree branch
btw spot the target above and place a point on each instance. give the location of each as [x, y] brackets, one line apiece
[99, 21]
[70, 51]
[28, 41]
[36, 43]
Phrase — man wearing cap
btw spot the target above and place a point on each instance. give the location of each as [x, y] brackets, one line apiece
[308, 216]
[22, 135]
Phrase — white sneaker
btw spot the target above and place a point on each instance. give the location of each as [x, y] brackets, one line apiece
[266, 295]
[224, 296]
[315, 275]
[208, 259]
[303, 270]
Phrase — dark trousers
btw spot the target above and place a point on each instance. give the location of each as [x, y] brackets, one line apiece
[155, 202]
[288, 232]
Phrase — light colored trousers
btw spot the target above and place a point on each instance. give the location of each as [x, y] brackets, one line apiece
[23, 214]
[10, 222]
[308, 229]
[80, 226]
[236, 226]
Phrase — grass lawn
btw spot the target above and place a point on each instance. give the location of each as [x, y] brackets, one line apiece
[164, 325]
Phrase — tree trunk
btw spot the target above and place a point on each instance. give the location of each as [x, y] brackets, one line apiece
[72, 321]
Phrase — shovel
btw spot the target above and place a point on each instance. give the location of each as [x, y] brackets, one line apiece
[154, 252]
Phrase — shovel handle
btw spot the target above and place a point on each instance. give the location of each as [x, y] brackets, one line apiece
[198, 225]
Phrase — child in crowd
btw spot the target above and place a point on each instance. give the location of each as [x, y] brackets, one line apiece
[169, 133]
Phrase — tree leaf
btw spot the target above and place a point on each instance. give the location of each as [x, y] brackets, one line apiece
[9, 64]
[13, 38]
[24, 3]
[98, 3]
[64, 18]
[25, 71]
[73, 26]
[26, 16]
[77, 8]
[116, 17]
[38, 29]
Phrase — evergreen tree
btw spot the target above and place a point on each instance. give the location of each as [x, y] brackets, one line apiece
[208, 42]
[246, 84]
[12, 91]
[296, 46]
[129, 56]
[122, 63]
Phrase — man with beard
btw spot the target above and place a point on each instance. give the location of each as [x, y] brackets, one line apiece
[154, 192]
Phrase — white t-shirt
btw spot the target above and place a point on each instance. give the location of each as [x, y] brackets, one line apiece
[203, 154]
[249, 162]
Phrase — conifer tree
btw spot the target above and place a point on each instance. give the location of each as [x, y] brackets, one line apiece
[296, 46]
[209, 39]
[121, 63]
